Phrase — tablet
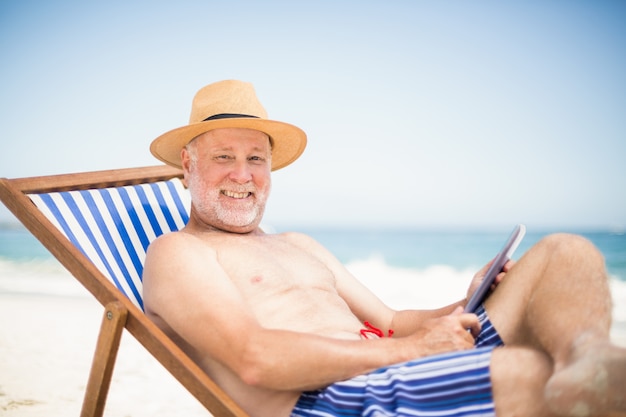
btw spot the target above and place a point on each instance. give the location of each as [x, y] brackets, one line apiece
[502, 258]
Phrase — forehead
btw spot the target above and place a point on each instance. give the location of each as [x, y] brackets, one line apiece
[235, 137]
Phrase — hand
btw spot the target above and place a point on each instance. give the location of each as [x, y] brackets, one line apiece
[449, 333]
[480, 275]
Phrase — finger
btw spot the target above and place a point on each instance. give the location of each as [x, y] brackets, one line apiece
[485, 268]
[471, 323]
[507, 266]
[458, 310]
[499, 278]
[475, 329]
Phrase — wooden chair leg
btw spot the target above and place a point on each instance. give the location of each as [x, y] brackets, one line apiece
[104, 360]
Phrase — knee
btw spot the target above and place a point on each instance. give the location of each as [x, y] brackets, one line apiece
[569, 246]
[519, 376]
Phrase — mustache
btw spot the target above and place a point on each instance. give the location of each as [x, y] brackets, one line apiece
[238, 188]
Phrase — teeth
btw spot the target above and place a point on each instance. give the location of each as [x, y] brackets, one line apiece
[233, 194]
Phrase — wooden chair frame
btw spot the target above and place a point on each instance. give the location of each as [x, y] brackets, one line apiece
[120, 313]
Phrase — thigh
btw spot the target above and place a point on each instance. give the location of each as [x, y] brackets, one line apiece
[507, 305]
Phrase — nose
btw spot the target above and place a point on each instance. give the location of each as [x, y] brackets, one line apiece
[240, 172]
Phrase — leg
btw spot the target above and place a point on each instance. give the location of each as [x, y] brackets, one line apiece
[556, 300]
[518, 376]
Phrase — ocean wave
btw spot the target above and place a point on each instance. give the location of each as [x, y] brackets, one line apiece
[437, 285]
[34, 266]
[40, 276]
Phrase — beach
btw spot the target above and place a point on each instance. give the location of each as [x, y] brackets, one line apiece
[47, 339]
[46, 348]
[49, 325]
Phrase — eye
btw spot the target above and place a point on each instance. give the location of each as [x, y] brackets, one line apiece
[256, 158]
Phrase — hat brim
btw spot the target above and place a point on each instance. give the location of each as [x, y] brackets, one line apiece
[288, 141]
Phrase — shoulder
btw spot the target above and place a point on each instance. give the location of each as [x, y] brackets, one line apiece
[312, 246]
[177, 242]
[301, 240]
[176, 251]
[296, 237]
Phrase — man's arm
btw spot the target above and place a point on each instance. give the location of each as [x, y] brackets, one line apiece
[195, 297]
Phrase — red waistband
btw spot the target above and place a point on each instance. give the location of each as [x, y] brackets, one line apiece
[371, 330]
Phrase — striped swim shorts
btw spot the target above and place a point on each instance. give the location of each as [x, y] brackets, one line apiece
[450, 384]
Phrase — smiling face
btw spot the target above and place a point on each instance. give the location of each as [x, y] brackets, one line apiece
[228, 175]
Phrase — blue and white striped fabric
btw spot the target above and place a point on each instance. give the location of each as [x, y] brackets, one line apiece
[453, 384]
[488, 335]
[114, 226]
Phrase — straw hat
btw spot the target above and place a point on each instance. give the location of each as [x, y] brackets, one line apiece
[229, 104]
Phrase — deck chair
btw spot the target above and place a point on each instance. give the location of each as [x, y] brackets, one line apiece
[99, 225]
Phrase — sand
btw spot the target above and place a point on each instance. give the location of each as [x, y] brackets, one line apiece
[46, 349]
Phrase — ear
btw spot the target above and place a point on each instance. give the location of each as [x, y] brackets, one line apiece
[185, 159]
[185, 162]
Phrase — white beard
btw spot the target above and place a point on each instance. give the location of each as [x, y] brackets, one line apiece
[238, 214]
[242, 216]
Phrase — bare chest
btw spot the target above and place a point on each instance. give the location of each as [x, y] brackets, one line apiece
[273, 266]
[286, 286]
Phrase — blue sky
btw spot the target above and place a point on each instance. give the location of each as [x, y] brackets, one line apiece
[419, 113]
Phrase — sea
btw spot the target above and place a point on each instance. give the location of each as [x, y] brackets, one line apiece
[407, 268]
